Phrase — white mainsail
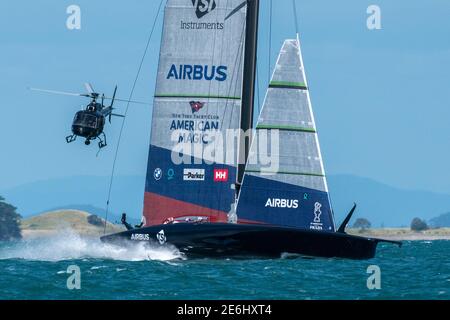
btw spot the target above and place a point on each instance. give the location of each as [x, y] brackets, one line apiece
[198, 95]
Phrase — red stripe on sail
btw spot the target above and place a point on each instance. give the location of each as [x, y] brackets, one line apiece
[157, 209]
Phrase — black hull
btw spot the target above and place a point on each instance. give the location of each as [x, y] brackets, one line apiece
[227, 240]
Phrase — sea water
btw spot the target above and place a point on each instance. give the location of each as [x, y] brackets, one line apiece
[38, 269]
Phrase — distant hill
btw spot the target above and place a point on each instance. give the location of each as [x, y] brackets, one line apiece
[80, 207]
[379, 203]
[34, 198]
[383, 204]
[442, 221]
[62, 221]
[112, 217]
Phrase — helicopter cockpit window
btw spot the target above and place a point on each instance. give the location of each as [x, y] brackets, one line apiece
[86, 120]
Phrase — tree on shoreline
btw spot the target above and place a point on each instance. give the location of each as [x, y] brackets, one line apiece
[418, 225]
[362, 224]
[95, 220]
[9, 222]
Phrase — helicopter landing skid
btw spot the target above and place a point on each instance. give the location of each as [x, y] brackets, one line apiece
[102, 143]
[70, 139]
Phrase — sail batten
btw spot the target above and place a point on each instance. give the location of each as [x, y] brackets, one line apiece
[286, 172]
[284, 127]
[288, 85]
[196, 96]
[293, 192]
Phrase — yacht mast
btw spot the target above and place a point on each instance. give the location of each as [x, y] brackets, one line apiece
[248, 91]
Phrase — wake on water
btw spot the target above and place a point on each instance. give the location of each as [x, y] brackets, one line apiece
[69, 246]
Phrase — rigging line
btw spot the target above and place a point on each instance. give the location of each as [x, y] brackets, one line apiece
[126, 112]
[237, 74]
[333, 217]
[270, 39]
[295, 17]
[257, 88]
[238, 64]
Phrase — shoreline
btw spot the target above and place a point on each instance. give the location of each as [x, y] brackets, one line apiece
[404, 234]
[76, 222]
[396, 234]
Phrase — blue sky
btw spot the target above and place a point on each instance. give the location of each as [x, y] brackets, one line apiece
[381, 98]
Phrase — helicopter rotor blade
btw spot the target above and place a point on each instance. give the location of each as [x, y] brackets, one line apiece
[89, 88]
[117, 115]
[89, 95]
[60, 92]
[130, 101]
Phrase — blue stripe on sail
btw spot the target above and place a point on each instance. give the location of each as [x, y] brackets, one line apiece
[313, 205]
[169, 182]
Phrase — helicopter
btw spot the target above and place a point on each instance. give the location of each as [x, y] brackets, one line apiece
[90, 122]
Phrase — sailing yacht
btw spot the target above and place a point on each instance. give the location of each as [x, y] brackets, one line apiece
[227, 203]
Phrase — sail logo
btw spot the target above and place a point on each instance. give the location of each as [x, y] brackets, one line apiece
[170, 174]
[317, 212]
[199, 126]
[193, 132]
[282, 203]
[220, 175]
[197, 72]
[161, 237]
[194, 174]
[190, 25]
[157, 174]
[317, 223]
[203, 7]
[196, 106]
[140, 237]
